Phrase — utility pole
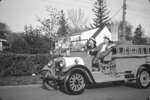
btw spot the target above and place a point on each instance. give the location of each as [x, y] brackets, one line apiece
[123, 21]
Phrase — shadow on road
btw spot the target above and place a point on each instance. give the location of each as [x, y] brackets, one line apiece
[131, 85]
[94, 86]
[49, 88]
[104, 85]
[98, 85]
[111, 84]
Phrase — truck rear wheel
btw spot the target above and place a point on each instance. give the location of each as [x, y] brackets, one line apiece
[76, 83]
[143, 79]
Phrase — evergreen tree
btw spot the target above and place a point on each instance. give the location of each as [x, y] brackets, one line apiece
[128, 31]
[62, 31]
[101, 13]
[116, 27]
[138, 36]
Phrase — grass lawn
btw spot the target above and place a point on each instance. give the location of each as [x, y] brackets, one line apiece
[20, 80]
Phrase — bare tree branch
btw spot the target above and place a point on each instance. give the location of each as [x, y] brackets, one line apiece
[77, 18]
[51, 22]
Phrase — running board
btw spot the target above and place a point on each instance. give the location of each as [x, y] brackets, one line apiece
[100, 77]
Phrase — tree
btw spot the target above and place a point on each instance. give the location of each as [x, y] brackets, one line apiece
[31, 35]
[63, 27]
[50, 23]
[128, 31]
[77, 20]
[101, 13]
[36, 41]
[116, 27]
[17, 43]
[4, 30]
[138, 36]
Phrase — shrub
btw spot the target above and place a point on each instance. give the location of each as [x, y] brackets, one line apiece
[15, 46]
[21, 65]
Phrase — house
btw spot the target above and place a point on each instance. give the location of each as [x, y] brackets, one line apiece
[75, 37]
[77, 41]
[2, 41]
[97, 33]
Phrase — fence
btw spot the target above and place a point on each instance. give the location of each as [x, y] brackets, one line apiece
[128, 50]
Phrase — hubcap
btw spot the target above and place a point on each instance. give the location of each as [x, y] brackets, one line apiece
[145, 78]
[77, 82]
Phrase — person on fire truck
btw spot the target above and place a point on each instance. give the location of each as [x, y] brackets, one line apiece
[101, 52]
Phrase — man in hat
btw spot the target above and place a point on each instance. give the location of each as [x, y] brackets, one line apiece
[102, 51]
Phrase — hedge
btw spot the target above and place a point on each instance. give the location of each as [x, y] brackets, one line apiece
[21, 65]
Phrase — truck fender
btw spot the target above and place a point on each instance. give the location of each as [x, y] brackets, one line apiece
[83, 69]
[142, 67]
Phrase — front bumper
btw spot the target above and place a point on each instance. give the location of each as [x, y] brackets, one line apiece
[52, 80]
[49, 75]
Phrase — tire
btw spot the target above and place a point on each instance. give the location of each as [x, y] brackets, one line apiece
[48, 84]
[76, 83]
[63, 88]
[143, 79]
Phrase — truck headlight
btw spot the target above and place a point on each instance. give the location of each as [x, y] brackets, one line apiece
[50, 63]
[62, 63]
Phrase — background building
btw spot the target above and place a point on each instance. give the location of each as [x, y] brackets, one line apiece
[2, 42]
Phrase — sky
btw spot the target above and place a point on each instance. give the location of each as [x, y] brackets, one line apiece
[17, 13]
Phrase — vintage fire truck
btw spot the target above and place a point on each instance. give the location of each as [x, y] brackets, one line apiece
[72, 74]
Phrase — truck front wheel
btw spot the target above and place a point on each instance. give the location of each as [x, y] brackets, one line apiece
[76, 83]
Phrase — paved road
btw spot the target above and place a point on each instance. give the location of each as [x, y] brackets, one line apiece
[109, 92]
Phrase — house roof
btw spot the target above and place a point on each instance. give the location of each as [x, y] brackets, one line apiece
[97, 32]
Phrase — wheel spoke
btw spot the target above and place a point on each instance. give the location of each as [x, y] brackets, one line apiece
[78, 87]
[73, 88]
